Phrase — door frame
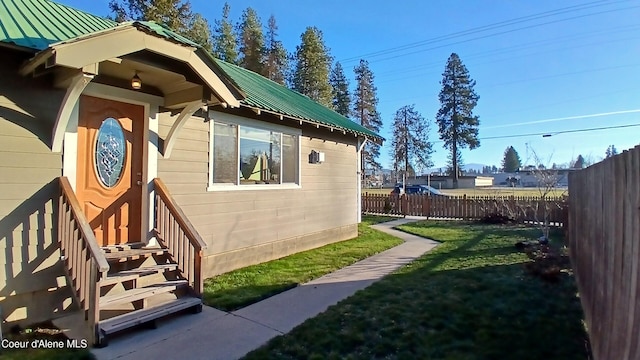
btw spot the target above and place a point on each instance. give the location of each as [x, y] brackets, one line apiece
[151, 105]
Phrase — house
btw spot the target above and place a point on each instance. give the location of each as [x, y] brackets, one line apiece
[133, 165]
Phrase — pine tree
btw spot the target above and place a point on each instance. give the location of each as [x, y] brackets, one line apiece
[176, 14]
[200, 32]
[455, 164]
[340, 90]
[511, 160]
[276, 61]
[410, 144]
[365, 111]
[312, 66]
[251, 40]
[611, 151]
[224, 40]
[457, 125]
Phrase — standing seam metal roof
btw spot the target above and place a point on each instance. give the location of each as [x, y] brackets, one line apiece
[268, 95]
[37, 24]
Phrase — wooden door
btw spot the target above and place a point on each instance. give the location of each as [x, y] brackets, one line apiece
[109, 170]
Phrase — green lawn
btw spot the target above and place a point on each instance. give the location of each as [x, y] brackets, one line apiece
[470, 298]
[248, 285]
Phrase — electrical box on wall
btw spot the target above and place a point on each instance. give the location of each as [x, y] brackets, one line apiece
[316, 157]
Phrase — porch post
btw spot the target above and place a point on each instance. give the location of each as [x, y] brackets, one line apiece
[361, 142]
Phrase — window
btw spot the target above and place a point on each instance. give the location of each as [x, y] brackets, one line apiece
[248, 154]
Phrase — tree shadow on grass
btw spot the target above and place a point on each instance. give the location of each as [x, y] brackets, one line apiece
[491, 312]
[468, 299]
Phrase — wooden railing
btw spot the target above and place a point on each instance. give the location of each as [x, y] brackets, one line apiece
[174, 231]
[520, 209]
[84, 261]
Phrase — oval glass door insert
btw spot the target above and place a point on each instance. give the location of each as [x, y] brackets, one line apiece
[110, 152]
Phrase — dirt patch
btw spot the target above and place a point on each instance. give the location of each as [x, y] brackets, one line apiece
[548, 262]
[496, 219]
[45, 330]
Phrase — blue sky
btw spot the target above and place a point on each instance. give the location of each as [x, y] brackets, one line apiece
[541, 66]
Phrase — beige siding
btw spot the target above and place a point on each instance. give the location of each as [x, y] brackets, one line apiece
[31, 278]
[242, 227]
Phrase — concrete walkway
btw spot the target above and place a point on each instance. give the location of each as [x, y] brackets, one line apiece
[215, 334]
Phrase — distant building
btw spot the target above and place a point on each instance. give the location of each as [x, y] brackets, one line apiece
[445, 182]
[527, 178]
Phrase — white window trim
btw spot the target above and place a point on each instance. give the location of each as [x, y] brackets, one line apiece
[240, 121]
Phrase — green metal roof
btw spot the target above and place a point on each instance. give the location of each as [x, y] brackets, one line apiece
[268, 95]
[37, 24]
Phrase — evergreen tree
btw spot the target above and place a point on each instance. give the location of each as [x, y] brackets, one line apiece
[457, 125]
[365, 111]
[611, 151]
[455, 164]
[200, 32]
[511, 160]
[251, 40]
[340, 90]
[176, 14]
[494, 169]
[276, 61]
[224, 40]
[410, 144]
[310, 75]
[579, 163]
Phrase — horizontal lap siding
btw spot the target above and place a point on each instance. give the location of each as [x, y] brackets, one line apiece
[277, 222]
[31, 279]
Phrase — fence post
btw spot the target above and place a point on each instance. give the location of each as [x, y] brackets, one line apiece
[404, 204]
[465, 213]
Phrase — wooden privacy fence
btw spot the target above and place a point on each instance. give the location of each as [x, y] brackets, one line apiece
[518, 208]
[604, 245]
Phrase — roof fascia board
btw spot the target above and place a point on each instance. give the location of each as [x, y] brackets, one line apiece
[317, 124]
[77, 54]
[213, 80]
[125, 40]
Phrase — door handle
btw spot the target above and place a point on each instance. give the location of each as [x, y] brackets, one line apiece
[139, 183]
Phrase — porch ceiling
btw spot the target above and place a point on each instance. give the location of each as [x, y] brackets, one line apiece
[114, 56]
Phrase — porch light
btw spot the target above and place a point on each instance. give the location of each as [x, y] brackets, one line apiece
[136, 83]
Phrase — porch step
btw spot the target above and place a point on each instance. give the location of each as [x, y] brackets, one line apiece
[132, 295]
[138, 317]
[122, 247]
[127, 275]
[132, 254]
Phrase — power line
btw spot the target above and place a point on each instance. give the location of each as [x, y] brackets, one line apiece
[560, 132]
[519, 81]
[519, 47]
[475, 30]
[500, 33]
[588, 116]
[485, 28]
